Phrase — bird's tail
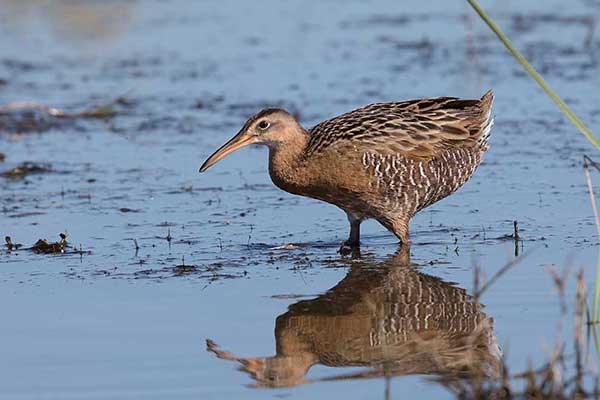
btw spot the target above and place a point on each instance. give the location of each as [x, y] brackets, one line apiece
[485, 104]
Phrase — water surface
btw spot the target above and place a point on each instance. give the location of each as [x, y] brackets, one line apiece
[112, 322]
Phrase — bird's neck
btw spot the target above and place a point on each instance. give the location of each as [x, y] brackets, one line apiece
[286, 162]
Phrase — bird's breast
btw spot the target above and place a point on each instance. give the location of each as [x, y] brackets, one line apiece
[293, 177]
[332, 177]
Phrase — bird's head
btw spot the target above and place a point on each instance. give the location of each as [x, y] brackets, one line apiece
[270, 127]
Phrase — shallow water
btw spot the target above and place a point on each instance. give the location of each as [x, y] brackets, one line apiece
[108, 321]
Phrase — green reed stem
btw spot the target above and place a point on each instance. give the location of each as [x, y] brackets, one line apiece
[536, 76]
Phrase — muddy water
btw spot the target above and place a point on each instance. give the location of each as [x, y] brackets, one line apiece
[105, 320]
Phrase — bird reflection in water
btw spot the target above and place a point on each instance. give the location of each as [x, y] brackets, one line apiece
[387, 317]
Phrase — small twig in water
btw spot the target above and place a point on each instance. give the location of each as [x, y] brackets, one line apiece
[586, 161]
[250, 236]
[183, 268]
[591, 162]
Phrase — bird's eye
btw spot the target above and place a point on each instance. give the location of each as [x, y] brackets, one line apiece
[262, 125]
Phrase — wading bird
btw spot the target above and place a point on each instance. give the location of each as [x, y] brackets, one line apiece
[381, 314]
[385, 161]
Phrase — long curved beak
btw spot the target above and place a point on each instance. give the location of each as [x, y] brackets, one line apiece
[237, 142]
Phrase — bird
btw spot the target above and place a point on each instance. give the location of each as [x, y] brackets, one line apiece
[383, 161]
[382, 313]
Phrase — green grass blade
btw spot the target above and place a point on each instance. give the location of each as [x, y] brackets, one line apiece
[535, 75]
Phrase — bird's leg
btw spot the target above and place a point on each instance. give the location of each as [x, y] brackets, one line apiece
[400, 229]
[354, 238]
[399, 226]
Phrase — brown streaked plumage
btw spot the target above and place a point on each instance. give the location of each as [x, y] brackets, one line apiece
[385, 314]
[385, 161]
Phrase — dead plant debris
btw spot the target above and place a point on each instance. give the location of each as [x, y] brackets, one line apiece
[31, 116]
[26, 168]
[183, 268]
[106, 110]
[128, 210]
[10, 245]
[43, 246]
[289, 246]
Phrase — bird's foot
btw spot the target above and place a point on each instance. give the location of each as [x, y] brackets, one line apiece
[348, 247]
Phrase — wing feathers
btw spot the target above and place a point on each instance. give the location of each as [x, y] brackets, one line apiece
[415, 128]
